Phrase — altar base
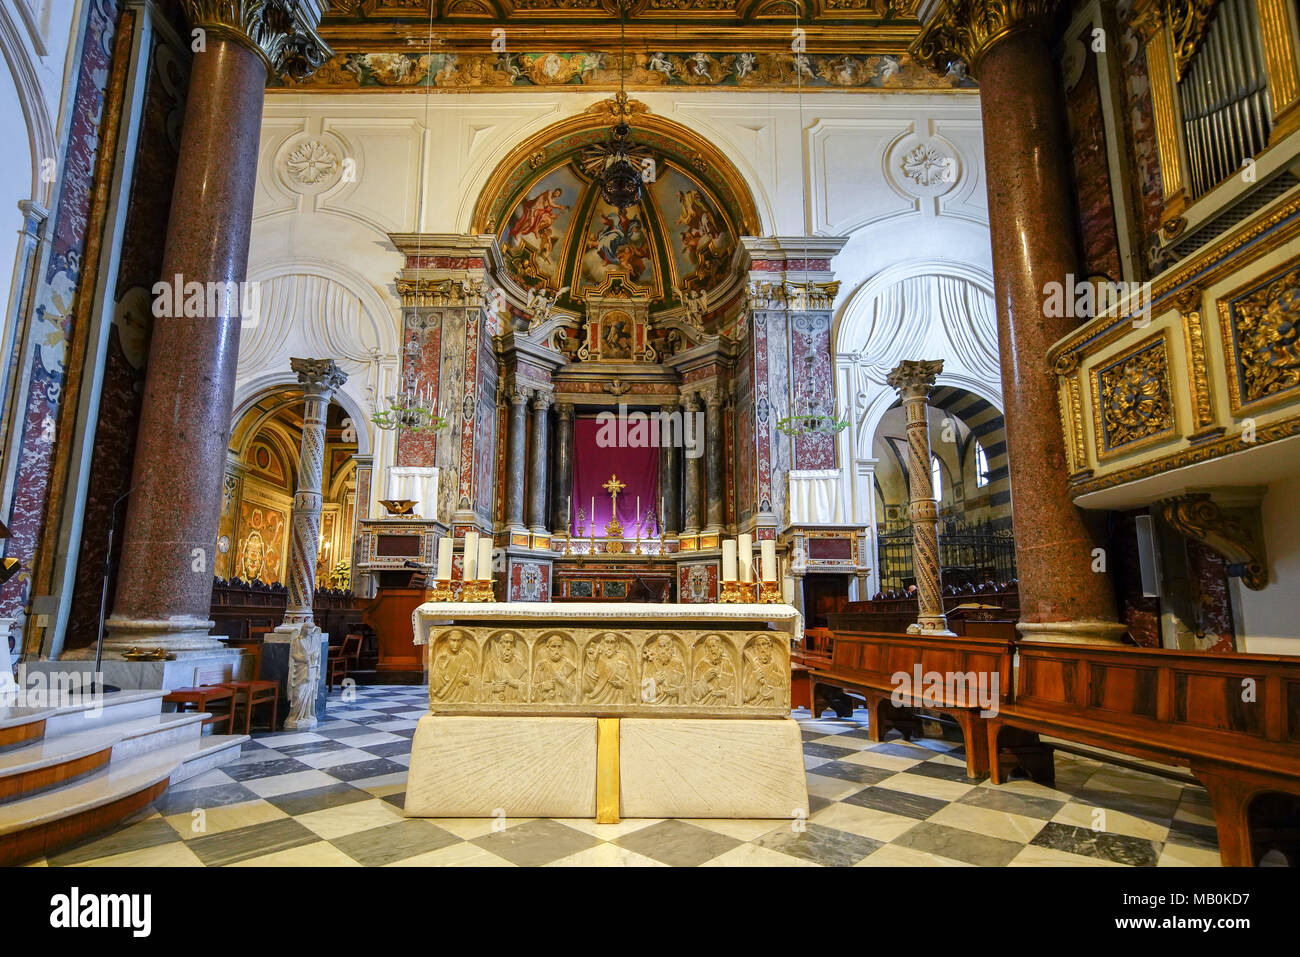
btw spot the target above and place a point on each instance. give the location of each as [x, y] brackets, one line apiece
[517, 766]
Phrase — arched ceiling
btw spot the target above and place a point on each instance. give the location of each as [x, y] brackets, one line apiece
[555, 230]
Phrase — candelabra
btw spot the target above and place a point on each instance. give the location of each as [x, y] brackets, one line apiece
[731, 594]
[477, 590]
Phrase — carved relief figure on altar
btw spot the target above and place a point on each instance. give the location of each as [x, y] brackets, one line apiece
[715, 672]
[455, 668]
[505, 674]
[608, 671]
[555, 675]
[663, 673]
[766, 676]
[534, 234]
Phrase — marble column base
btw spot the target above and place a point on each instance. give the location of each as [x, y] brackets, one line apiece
[181, 672]
[519, 766]
[1074, 632]
[275, 667]
[936, 627]
[170, 634]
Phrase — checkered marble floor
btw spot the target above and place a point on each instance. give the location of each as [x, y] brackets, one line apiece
[334, 796]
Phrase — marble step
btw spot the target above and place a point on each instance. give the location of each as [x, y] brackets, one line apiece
[54, 761]
[43, 823]
[23, 726]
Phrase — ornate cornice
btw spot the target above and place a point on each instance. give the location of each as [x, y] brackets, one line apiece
[282, 32]
[962, 31]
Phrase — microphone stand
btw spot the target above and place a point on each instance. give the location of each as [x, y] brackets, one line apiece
[103, 594]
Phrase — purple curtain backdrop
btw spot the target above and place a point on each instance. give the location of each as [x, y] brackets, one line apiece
[637, 468]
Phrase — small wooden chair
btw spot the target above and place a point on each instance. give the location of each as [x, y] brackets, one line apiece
[348, 654]
[207, 691]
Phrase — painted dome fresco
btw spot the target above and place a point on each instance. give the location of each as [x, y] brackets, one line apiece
[554, 229]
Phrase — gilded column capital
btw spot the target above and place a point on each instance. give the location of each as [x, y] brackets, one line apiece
[318, 376]
[282, 32]
[962, 31]
[542, 400]
[914, 378]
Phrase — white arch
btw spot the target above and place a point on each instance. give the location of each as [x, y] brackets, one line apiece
[249, 393]
[40, 126]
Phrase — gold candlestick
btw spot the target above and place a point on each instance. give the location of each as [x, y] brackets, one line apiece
[441, 590]
[477, 590]
[769, 593]
[731, 594]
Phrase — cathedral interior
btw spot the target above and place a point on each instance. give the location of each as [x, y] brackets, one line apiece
[750, 432]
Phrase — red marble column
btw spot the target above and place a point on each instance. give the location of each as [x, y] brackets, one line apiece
[1032, 226]
[164, 587]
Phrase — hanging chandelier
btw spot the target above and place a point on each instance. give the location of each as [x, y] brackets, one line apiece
[617, 164]
[411, 410]
[811, 419]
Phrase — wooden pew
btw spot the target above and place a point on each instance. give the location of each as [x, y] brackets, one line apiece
[867, 663]
[814, 651]
[1234, 719]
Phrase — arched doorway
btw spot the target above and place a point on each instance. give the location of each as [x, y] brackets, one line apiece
[972, 489]
[261, 477]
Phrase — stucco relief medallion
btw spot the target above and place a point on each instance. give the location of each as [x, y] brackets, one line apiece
[311, 165]
[928, 167]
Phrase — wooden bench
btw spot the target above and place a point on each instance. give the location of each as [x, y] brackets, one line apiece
[869, 663]
[1234, 720]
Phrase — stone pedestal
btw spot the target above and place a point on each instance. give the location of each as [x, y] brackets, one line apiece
[275, 667]
[520, 766]
[181, 672]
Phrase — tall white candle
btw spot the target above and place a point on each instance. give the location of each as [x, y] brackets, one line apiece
[746, 557]
[638, 511]
[767, 548]
[444, 558]
[593, 516]
[470, 557]
[485, 558]
[729, 560]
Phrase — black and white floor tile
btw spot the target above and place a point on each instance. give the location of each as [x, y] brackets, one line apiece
[333, 797]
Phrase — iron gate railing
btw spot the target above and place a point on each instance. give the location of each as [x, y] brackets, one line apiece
[967, 553]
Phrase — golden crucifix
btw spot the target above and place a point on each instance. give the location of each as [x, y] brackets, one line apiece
[614, 529]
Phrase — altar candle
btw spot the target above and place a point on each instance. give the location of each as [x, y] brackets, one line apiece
[593, 516]
[746, 558]
[485, 558]
[444, 558]
[767, 548]
[471, 557]
[638, 511]
[729, 560]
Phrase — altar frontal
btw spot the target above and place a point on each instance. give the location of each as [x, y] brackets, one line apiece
[535, 713]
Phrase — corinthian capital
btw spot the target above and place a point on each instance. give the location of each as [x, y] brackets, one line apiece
[962, 31]
[282, 32]
[915, 379]
[318, 376]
